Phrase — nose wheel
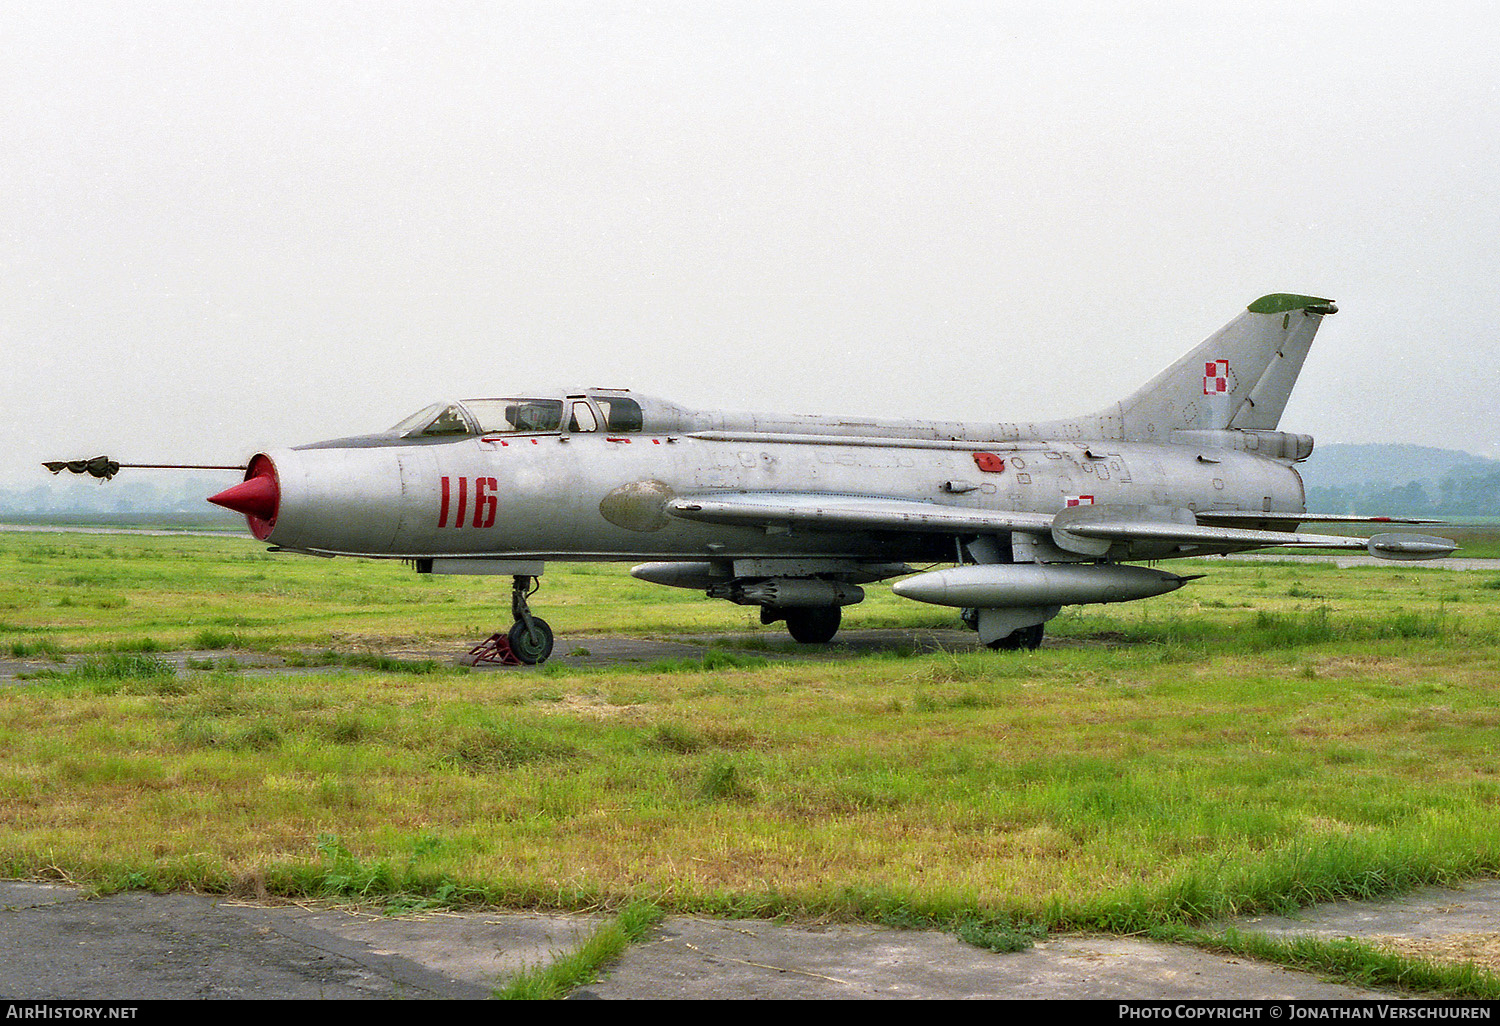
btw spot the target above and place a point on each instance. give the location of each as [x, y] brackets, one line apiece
[530, 638]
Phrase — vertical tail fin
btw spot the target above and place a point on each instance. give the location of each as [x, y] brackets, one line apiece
[1240, 377]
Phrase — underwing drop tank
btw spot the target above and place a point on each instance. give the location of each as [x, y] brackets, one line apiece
[1006, 585]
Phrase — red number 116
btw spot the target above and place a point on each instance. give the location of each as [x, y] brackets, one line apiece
[484, 502]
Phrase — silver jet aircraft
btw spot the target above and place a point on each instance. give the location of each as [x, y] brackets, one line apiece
[795, 513]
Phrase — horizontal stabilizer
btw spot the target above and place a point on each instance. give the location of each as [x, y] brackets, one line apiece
[1240, 518]
[1208, 536]
[1076, 528]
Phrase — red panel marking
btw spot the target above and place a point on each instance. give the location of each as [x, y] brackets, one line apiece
[484, 501]
[989, 462]
[1080, 500]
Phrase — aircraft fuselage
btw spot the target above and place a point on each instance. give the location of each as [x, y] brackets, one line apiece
[598, 497]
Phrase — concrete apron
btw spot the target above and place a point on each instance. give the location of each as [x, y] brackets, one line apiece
[55, 944]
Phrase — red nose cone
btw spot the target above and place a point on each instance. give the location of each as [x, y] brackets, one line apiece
[258, 497]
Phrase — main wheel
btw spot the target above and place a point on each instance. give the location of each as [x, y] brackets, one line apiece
[814, 625]
[1029, 638]
[531, 646]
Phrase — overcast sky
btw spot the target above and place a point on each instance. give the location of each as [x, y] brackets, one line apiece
[226, 226]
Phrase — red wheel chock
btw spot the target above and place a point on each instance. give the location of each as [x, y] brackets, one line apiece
[494, 650]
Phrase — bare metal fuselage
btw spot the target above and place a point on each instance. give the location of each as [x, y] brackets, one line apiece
[597, 497]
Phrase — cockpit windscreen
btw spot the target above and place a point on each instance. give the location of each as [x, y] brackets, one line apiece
[507, 416]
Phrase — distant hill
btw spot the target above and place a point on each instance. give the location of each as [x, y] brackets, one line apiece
[1340, 466]
[1401, 480]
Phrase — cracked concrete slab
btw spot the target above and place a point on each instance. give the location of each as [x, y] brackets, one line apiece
[704, 959]
[55, 943]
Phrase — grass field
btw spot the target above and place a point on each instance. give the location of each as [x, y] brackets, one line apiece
[1475, 539]
[1271, 735]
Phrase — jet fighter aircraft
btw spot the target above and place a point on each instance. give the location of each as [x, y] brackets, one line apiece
[795, 513]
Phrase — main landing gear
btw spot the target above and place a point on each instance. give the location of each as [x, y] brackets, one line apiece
[1021, 639]
[529, 640]
[1029, 638]
[811, 625]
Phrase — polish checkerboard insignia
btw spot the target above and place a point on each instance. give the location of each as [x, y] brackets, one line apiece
[1079, 500]
[1216, 377]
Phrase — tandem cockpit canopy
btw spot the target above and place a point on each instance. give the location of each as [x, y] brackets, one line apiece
[611, 412]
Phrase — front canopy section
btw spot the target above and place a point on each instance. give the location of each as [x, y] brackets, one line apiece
[437, 420]
[483, 417]
[609, 411]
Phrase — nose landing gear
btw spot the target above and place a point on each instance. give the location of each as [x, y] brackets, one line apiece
[529, 640]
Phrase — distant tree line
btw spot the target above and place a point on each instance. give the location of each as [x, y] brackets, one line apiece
[1454, 495]
[66, 500]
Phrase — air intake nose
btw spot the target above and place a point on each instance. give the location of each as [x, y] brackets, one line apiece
[258, 496]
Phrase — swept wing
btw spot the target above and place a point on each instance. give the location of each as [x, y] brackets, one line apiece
[1083, 530]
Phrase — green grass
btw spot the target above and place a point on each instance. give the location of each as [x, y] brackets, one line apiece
[1274, 735]
[1475, 540]
[1349, 961]
[578, 968]
[85, 593]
